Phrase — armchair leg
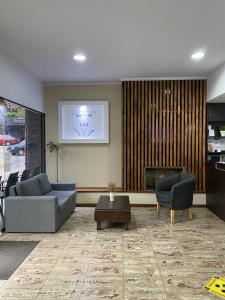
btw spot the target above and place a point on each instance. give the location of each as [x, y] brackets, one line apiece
[190, 213]
[172, 215]
[158, 207]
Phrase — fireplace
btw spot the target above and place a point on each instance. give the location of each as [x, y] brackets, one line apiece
[152, 174]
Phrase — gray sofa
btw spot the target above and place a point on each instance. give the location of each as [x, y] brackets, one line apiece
[36, 205]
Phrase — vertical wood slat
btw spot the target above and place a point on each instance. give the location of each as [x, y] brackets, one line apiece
[143, 132]
[153, 122]
[167, 125]
[204, 136]
[160, 124]
[162, 128]
[193, 127]
[178, 124]
[124, 128]
[175, 117]
[197, 130]
[164, 122]
[156, 125]
[200, 135]
[171, 139]
[135, 158]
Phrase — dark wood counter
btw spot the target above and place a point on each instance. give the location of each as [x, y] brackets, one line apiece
[215, 188]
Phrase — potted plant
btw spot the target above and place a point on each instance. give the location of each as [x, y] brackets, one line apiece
[222, 130]
[53, 147]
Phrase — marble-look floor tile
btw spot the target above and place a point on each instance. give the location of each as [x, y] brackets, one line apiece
[105, 269]
[27, 281]
[18, 294]
[59, 293]
[152, 260]
[2, 283]
[143, 294]
[102, 291]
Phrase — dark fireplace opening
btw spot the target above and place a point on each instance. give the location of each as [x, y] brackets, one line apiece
[152, 174]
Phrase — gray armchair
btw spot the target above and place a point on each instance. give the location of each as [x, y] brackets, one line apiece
[176, 193]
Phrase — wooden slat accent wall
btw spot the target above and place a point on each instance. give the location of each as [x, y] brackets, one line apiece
[163, 126]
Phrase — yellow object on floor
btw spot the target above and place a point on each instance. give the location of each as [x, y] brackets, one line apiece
[216, 286]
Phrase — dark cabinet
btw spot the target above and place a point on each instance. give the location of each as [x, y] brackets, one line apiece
[215, 176]
[215, 190]
[216, 112]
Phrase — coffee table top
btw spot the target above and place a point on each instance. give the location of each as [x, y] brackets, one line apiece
[119, 203]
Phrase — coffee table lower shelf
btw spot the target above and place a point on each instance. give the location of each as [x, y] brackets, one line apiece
[117, 211]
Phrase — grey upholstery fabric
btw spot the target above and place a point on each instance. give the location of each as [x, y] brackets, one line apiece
[30, 187]
[63, 186]
[164, 197]
[44, 183]
[42, 213]
[61, 194]
[165, 184]
[12, 191]
[31, 214]
[176, 192]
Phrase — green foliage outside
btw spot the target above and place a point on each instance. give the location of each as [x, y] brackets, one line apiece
[20, 113]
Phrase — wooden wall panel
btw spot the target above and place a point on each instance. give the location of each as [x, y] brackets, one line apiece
[163, 125]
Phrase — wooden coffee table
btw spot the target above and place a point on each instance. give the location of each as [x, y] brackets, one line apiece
[117, 211]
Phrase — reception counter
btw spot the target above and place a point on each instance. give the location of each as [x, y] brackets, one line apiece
[215, 188]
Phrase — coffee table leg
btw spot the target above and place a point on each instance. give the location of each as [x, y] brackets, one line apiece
[126, 226]
[98, 225]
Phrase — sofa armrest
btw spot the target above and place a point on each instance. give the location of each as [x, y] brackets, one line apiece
[63, 186]
[31, 213]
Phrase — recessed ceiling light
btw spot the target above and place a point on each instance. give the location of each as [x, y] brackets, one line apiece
[198, 55]
[79, 57]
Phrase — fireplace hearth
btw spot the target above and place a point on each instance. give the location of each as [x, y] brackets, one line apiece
[152, 174]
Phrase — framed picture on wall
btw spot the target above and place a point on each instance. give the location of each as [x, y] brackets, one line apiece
[83, 122]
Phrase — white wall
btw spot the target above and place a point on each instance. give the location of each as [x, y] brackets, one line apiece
[19, 85]
[89, 165]
[216, 84]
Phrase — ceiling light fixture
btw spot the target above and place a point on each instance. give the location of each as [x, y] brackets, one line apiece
[79, 57]
[198, 55]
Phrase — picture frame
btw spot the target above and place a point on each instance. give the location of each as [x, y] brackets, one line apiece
[83, 122]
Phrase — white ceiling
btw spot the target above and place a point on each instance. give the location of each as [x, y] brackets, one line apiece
[121, 38]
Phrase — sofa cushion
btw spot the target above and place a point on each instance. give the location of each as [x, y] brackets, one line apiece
[64, 198]
[45, 185]
[61, 194]
[30, 187]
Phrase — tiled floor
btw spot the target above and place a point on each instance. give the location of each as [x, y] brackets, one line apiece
[152, 260]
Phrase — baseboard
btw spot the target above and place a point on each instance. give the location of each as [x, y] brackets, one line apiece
[117, 189]
[132, 205]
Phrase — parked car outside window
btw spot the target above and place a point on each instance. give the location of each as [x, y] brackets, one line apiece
[17, 149]
[6, 139]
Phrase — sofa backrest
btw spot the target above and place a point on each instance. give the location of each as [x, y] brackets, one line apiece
[30, 187]
[45, 185]
[35, 186]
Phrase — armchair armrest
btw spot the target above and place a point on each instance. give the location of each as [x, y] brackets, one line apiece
[61, 186]
[166, 183]
[181, 195]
